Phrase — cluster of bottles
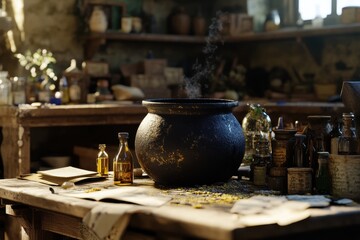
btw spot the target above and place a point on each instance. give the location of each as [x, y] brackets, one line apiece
[17, 90]
[123, 165]
[295, 160]
[12, 90]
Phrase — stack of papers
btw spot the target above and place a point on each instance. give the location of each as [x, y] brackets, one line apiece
[58, 176]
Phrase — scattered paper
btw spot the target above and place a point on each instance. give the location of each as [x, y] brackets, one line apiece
[260, 210]
[136, 195]
[312, 200]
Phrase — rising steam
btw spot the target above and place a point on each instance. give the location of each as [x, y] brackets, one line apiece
[204, 71]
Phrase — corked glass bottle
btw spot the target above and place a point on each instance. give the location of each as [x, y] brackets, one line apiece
[123, 165]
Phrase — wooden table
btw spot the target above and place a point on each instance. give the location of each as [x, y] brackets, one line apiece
[40, 211]
[16, 122]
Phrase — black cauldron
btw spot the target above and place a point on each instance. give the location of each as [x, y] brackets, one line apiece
[183, 142]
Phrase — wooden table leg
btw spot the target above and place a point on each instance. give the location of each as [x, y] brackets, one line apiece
[21, 216]
[15, 150]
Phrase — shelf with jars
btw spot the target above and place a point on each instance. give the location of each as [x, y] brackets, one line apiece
[310, 38]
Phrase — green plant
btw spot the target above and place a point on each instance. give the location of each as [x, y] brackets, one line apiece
[40, 63]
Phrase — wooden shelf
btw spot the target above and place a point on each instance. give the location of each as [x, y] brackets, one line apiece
[285, 33]
[94, 40]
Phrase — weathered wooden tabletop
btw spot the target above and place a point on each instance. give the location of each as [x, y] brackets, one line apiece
[177, 218]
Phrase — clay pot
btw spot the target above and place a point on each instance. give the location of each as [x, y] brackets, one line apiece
[98, 21]
[199, 26]
[183, 142]
[180, 22]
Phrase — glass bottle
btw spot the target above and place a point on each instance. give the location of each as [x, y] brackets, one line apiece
[64, 90]
[75, 91]
[334, 136]
[18, 90]
[44, 92]
[299, 157]
[256, 124]
[123, 165]
[322, 178]
[262, 163]
[347, 140]
[317, 139]
[5, 89]
[102, 161]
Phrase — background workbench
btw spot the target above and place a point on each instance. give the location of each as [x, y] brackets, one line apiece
[27, 129]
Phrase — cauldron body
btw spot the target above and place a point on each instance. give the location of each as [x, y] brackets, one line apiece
[183, 142]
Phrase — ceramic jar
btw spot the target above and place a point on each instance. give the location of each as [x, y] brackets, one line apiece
[180, 22]
[199, 26]
[98, 21]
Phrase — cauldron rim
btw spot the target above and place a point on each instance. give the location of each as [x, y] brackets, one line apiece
[204, 103]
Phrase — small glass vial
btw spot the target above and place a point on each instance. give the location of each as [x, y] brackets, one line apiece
[123, 165]
[347, 140]
[322, 178]
[102, 161]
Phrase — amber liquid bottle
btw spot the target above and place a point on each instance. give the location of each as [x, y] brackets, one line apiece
[123, 165]
[102, 161]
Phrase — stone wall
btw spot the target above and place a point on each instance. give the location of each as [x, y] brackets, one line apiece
[50, 24]
[58, 26]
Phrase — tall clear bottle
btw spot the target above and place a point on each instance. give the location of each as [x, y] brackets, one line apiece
[102, 161]
[123, 165]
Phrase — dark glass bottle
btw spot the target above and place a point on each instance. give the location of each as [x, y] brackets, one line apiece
[347, 140]
[322, 178]
[123, 165]
[299, 153]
